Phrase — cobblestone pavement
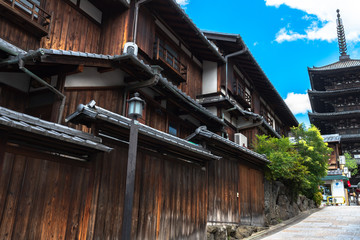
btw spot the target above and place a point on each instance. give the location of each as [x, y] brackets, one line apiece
[335, 223]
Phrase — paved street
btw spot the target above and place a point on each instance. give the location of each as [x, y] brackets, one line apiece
[338, 222]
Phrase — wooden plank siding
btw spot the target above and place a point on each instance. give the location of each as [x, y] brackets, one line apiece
[108, 97]
[236, 193]
[42, 199]
[16, 35]
[70, 30]
[45, 199]
[12, 98]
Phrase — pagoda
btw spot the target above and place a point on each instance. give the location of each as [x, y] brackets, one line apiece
[335, 97]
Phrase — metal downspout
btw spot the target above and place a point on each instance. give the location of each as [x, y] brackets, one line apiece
[30, 56]
[227, 65]
[7, 50]
[137, 5]
[51, 88]
[250, 125]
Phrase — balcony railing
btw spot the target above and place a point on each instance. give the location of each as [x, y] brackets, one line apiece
[29, 11]
[266, 117]
[172, 64]
[244, 96]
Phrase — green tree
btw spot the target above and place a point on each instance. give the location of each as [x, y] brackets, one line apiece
[310, 145]
[285, 163]
[351, 164]
[299, 162]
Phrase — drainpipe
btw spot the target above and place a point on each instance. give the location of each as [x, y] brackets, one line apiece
[137, 6]
[32, 55]
[250, 125]
[227, 65]
[51, 88]
[8, 50]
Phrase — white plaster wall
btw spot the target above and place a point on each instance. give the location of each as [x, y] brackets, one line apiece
[90, 77]
[20, 81]
[209, 77]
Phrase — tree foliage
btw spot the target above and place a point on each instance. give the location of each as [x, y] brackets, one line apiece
[351, 164]
[299, 162]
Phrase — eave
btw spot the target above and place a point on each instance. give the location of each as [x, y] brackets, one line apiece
[227, 147]
[330, 94]
[230, 43]
[334, 115]
[116, 126]
[27, 131]
[178, 21]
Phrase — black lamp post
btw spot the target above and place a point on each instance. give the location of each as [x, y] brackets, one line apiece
[136, 106]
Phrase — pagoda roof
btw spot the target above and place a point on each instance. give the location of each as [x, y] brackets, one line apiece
[334, 114]
[333, 92]
[339, 65]
[349, 137]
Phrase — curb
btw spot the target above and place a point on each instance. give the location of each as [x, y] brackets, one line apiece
[285, 224]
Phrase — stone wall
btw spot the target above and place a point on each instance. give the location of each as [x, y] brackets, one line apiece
[279, 206]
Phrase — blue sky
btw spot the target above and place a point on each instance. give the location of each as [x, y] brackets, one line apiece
[285, 37]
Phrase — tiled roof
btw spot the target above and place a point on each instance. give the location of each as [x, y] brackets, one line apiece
[331, 138]
[97, 113]
[333, 92]
[76, 54]
[350, 136]
[334, 114]
[27, 123]
[338, 65]
[202, 131]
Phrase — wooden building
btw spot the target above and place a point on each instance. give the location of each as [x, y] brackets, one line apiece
[63, 165]
[242, 94]
[334, 98]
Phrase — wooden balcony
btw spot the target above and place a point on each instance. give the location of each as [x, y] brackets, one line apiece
[266, 117]
[28, 15]
[173, 68]
[243, 97]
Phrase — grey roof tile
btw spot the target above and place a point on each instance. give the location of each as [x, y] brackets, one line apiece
[108, 116]
[338, 65]
[20, 121]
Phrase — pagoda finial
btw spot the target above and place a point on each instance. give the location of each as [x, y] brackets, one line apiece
[341, 37]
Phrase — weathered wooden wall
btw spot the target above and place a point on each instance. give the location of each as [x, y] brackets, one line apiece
[146, 39]
[12, 98]
[227, 179]
[115, 33]
[170, 199]
[109, 98]
[16, 35]
[43, 199]
[70, 30]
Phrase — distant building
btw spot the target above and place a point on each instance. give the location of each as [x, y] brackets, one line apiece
[335, 100]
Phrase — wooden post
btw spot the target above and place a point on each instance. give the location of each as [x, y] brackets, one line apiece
[130, 181]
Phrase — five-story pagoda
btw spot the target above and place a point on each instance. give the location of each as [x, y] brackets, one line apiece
[335, 97]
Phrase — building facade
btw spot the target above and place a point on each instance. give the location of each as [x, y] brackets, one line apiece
[64, 157]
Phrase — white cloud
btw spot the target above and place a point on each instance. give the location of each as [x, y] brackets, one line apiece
[322, 13]
[256, 43]
[183, 2]
[287, 35]
[298, 103]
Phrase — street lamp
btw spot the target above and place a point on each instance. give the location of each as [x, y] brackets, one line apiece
[136, 106]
